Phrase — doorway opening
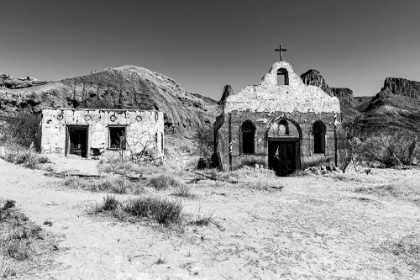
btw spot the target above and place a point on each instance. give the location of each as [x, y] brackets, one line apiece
[77, 141]
[284, 156]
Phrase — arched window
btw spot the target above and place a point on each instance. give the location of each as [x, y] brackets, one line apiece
[283, 128]
[318, 131]
[248, 135]
[282, 77]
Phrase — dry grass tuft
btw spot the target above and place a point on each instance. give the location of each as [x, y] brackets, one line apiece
[117, 185]
[23, 245]
[27, 158]
[407, 249]
[184, 191]
[408, 190]
[163, 182]
[160, 210]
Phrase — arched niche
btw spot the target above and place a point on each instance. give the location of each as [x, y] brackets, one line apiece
[283, 128]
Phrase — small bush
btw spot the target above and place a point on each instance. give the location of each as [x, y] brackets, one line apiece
[163, 182]
[184, 191]
[117, 185]
[163, 211]
[21, 128]
[110, 203]
[27, 158]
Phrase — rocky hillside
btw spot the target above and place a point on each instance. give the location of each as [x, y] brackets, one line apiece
[345, 95]
[395, 107]
[122, 87]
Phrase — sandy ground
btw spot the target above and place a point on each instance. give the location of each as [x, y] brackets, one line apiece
[315, 228]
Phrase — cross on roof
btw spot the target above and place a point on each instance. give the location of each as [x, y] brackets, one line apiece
[281, 52]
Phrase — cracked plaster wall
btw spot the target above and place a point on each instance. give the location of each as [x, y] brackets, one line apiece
[267, 96]
[265, 104]
[141, 127]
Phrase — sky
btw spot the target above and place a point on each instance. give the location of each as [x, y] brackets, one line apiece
[205, 45]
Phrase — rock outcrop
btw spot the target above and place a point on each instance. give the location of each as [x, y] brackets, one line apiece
[128, 87]
[227, 91]
[6, 81]
[402, 87]
[313, 77]
[395, 107]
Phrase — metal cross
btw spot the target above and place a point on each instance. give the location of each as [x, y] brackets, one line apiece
[281, 52]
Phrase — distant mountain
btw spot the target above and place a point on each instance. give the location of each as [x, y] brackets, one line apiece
[395, 107]
[122, 87]
[314, 78]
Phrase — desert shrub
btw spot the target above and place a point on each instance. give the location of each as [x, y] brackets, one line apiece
[162, 210]
[21, 128]
[110, 203]
[109, 184]
[183, 191]
[28, 158]
[388, 149]
[163, 182]
[205, 135]
[22, 243]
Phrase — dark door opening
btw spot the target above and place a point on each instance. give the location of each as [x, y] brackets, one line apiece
[77, 139]
[283, 156]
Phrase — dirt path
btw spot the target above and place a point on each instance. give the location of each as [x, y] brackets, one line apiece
[313, 229]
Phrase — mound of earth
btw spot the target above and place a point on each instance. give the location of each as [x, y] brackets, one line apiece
[122, 87]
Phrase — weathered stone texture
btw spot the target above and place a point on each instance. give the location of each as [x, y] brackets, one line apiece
[402, 87]
[6, 81]
[265, 105]
[267, 96]
[142, 127]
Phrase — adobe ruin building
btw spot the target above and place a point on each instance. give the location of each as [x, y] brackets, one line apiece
[90, 132]
[280, 123]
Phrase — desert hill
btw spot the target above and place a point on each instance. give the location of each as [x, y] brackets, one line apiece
[396, 106]
[121, 87]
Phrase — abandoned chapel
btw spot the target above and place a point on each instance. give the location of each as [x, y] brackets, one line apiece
[280, 123]
[91, 132]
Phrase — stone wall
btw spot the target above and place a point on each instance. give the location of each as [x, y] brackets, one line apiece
[142, 128]
[263, 122]
[267, 103]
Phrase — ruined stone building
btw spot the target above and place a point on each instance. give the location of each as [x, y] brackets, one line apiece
[280, 123]
[89, 132]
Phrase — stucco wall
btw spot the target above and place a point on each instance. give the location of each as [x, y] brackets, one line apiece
[266, 103]
[142, 128]
[267, 96]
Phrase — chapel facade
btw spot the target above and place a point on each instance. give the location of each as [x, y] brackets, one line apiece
[280, 123]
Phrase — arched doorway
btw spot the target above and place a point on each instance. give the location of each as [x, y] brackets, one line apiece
[283, 147]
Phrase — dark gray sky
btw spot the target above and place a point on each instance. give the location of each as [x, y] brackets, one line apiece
[205, 45]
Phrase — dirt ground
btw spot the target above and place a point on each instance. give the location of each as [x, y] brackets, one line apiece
[316, 227]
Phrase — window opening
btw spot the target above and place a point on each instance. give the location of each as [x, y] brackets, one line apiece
[248, 135]
[117, 138]
[318, 131]
[282, 77]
